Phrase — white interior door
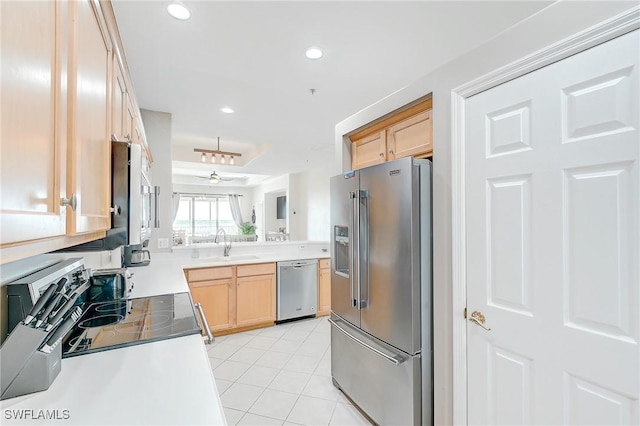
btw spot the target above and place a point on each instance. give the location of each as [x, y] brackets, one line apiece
[552, 220]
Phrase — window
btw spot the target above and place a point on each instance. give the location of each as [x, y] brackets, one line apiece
[199, 218]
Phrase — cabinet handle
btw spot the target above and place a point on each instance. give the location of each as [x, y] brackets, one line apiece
[73, 202]
[382, 154]
[390, 151]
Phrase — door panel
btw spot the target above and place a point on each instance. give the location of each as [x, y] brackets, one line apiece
[392, 295]
[413, 136]
[218, 300]
[32, 35]
[90, 106]
[342, 245]
[369, 150]
[552, 229]
[256, 299]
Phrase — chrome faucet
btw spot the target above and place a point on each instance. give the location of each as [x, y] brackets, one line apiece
[227, 243]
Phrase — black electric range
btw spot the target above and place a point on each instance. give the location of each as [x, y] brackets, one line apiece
[125, 322]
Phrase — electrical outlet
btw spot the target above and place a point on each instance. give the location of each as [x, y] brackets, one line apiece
[163, 243]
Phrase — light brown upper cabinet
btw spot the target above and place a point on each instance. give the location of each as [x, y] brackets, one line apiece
[58, 101]
[33, 37]
[413, 136]
[408, 132]
[89, 121]
[118, 102]
[369, 150]
[55, 115]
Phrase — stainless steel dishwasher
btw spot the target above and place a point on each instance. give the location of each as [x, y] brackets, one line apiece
[297, 289]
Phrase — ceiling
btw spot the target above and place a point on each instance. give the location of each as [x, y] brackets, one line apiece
[250, 56]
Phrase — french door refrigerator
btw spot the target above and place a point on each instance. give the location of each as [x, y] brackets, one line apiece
[381, 350]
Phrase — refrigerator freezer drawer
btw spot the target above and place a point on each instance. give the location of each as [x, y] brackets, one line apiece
[381, 380]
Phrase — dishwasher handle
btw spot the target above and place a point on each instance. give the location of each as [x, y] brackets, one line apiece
[297, 264]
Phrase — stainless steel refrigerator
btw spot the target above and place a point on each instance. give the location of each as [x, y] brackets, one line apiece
[381, 310]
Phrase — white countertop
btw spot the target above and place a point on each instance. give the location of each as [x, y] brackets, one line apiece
[161, 383]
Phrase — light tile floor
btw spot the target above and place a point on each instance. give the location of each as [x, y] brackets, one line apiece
[280, 375]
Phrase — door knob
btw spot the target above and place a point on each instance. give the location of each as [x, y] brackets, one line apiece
[478, 318]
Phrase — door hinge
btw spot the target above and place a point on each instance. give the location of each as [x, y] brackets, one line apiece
[465, 313]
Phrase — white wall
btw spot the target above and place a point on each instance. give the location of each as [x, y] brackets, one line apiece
[271, 221]
[278, 184]
[558, 21]
[157, 126]
[310, 200]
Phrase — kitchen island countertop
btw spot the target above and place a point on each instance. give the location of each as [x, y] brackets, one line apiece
[169, 382]
[162, 383]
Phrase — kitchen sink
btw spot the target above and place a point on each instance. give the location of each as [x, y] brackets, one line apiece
[234, 258]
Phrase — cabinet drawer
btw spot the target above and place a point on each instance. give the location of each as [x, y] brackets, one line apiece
[206, 274]
[256, 269]
[324, 263]
[208, 283]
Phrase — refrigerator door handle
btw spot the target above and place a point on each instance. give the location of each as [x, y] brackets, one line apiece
[353, 256]
[363, 249]
[397, 360]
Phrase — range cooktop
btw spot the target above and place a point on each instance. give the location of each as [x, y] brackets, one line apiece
[125, 322]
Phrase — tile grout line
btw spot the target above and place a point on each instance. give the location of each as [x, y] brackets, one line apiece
[318, 361]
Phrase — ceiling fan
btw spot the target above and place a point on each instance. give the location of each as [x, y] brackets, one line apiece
[216, 178]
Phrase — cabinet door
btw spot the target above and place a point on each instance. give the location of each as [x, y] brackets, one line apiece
[369, 150]
[136, 133]
[218, 302]
[324, 291]
[118, 102]
[129, 118]
[89, 115]
[410, 137]
[256, 299]
[33, 130]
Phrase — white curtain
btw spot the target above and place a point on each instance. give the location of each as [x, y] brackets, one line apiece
[175, 203]
[234, 202]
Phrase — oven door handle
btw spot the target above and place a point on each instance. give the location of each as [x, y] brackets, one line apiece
[202, 319]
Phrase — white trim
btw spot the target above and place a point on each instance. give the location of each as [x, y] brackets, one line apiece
[459, 260]
[597, 34]
[603, 32]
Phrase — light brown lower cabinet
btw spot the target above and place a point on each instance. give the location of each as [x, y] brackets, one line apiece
[235, 298]
[324, 287]
[218, 302]
[256, 300]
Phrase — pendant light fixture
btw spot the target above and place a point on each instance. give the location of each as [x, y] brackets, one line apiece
[215, 152]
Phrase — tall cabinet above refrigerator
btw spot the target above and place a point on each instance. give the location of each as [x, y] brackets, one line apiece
[381, 350]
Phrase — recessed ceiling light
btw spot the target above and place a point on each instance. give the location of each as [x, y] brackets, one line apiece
[178, 11]
[227, 110]
[314, 53]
